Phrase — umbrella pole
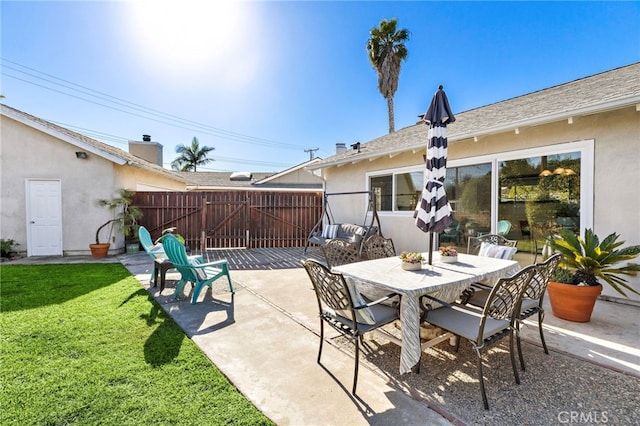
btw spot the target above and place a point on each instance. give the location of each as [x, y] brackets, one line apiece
[430, 248]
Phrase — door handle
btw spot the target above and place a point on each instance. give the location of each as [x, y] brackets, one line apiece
[33, 221]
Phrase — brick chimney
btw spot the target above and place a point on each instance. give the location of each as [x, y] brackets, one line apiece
[147, 150]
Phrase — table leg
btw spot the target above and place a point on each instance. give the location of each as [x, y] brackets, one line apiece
[411, 350]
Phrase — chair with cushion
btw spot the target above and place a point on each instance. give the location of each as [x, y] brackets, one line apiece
[489, 245]
[192, 270]
[487, 326]
[343, 308]
[531, 302]
[377, 247]
[533, 298]
[339, 252]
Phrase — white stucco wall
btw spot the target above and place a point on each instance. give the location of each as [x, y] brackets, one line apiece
[616, 203]
[27, 153]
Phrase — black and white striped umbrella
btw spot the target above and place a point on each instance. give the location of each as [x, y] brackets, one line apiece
[433, 212]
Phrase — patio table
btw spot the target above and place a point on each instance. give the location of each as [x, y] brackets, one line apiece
[445, 281]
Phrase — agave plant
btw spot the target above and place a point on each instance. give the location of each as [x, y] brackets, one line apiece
[592, 260]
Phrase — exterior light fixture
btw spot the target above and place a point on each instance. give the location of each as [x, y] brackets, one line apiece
[81, 155]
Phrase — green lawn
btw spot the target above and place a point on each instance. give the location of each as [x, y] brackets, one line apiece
[85, 344]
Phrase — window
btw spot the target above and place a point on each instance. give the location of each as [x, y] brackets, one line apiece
[540, 195]
[397, 191]
[527, 195]
[468, 189]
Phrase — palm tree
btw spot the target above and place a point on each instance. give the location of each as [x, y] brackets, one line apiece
[386, 50]
[191, 156]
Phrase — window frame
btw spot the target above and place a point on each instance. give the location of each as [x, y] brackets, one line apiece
[586, 148]
[393, 172]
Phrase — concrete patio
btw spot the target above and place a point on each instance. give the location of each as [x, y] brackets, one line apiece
[265, 340]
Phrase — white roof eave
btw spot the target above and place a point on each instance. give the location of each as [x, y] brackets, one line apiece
[64, 137]
[535, 121]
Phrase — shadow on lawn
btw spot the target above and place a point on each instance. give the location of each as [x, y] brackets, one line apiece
[163, 345]
[64, 282]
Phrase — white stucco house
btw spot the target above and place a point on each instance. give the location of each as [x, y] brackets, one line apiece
[51, 178]
[565, 156]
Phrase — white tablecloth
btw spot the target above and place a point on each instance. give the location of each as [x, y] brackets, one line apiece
[443, 280]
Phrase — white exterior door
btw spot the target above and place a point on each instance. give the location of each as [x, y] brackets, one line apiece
[44, 218]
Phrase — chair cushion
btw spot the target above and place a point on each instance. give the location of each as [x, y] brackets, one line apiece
[497, 251]
[157, 251]
[529, 306]
[465, 322]
[364, 315]
[330, 231]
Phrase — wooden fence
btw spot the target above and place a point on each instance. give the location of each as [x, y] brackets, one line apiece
[233, 218]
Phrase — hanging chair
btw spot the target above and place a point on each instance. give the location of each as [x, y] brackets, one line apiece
[326, 229]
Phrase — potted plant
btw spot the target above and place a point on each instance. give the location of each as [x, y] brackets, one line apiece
[448, 254]
[411, 261]
[125, 219]
[585, 261]
[6, 248]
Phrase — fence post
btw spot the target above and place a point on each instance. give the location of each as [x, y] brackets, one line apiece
[203, 224]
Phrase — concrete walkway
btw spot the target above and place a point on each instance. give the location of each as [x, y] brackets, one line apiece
[265, 340]
[269, 350]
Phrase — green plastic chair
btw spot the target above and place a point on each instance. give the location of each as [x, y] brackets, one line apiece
[504, 226]
[193, 270]
[161, 263]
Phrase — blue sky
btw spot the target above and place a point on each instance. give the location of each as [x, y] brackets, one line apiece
[262, 82]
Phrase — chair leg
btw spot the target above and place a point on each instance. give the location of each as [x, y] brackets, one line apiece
[226, 271]
[155, 274]
[321, 339]
[163, 275]
[481, 378]
[513, 357]
[540, 319]
[196, 292]
[522, 366]
[179, 288]
[355, 371]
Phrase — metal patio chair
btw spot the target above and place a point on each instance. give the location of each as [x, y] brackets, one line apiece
[377, 247]
[199, 274]
[474, 244]
[531, 302]
[481, 328]
[338, 252]
[343, 308]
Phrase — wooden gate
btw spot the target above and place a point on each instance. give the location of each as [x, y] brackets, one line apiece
[232, 219]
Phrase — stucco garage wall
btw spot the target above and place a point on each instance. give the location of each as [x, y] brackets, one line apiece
[138, 179]
[30, 154]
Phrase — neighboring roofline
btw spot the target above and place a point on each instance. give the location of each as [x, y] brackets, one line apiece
[250, 188]
[86, 143]
[287, 171]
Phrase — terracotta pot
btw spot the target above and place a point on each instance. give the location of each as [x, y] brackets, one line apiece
[572, 302]
[99, 250]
